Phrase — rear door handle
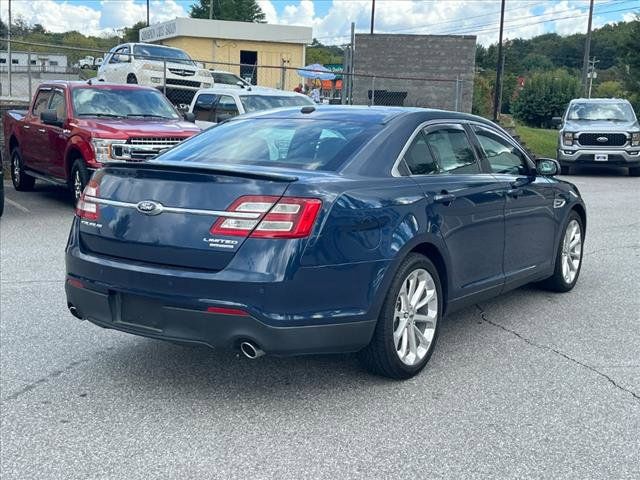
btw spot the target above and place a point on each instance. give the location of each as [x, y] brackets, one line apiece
[514, 192]
[26, 127]
[41, 130]
[444, 197]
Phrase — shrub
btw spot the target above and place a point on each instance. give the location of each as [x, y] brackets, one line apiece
[545, 95]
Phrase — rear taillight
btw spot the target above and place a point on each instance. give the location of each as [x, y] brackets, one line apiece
[86, 208]
[286, 217]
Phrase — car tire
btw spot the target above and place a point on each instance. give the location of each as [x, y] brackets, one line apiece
[131, 78]
[78, 178]
[566, 270]
[565, 170]
[21, 181]
[634, 172]
[405, 336]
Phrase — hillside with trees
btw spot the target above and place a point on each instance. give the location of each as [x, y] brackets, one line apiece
[550, 67]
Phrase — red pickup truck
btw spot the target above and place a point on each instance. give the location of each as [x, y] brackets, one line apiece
[71, 128]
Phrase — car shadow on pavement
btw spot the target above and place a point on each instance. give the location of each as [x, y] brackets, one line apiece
[178, 370]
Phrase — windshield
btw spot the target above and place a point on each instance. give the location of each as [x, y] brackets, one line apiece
[279, 142]
[619, 111]
[102, 102]
[155, 52]
[254, 103]
[227, 78]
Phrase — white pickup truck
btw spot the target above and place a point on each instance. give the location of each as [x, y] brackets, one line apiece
[168, 69]
[214, 105]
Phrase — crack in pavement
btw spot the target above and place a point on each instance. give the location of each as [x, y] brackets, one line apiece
[610, 249]
[557, 352]
[54, 374]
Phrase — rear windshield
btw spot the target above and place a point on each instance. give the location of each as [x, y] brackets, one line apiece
[254, 103]
[294, 143]
[103, 102]
[615, 111]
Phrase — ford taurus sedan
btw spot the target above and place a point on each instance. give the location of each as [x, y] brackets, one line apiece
[321, 229]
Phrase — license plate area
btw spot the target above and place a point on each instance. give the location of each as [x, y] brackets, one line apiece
[139, 312]
[601, 157]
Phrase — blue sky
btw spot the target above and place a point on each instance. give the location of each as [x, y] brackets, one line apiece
[330, 19]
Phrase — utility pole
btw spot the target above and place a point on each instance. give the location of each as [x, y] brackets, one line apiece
[587, 50]
[9, 63]
[499, 66]
[147, 13]
[592, 73]
[373, 14]
[352, 58]
[210, 9]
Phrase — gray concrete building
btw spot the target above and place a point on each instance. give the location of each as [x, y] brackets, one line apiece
[437, 60]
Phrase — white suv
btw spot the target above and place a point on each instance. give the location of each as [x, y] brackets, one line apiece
[144, 63]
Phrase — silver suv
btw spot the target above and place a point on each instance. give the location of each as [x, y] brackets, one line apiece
[602, 132]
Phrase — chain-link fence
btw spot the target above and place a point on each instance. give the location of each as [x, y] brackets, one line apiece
[30, 64]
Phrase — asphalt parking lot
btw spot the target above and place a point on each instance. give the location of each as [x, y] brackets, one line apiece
[529, 385]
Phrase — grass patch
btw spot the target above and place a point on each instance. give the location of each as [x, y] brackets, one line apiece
[540, 141]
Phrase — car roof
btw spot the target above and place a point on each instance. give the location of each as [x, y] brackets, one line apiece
[365, 114]
[241, 92]
[81, 84]
[599, 100]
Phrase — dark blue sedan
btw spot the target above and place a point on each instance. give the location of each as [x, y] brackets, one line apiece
[317, 230]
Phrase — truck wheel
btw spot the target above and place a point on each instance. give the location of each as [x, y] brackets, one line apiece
[131, 78]
[407, 329]
[634, 172]
[78, 179]
[21, 181]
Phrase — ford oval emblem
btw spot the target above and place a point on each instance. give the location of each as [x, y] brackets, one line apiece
[602, 139]
[149, 207]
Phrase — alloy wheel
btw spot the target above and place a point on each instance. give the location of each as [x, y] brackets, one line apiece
[571, 251]
[415, 317]
[15, 159]
[77, 184]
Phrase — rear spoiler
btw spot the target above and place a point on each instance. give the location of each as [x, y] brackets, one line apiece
[201, 168]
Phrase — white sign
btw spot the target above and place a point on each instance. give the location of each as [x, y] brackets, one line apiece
[158, 32]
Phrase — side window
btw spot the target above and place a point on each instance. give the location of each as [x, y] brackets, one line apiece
[418, 157]
[57, 103]
[501, 155]
[41, 102]
[203, 108]
[115, 57]
[451, 150]
[226, 106]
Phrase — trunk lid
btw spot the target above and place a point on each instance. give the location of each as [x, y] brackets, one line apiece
[162, 214]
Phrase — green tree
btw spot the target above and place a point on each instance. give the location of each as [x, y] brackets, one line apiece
[482, 98]
[545, 95]
[322, 54]
[132, 34]
[610, 89]
[238, 10]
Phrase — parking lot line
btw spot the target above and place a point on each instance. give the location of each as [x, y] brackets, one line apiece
[17, 205]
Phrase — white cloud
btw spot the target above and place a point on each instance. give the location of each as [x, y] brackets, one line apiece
[55, 16]
[113, 12]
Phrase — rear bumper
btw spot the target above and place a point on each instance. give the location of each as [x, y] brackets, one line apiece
[616, 157]
[191, 325]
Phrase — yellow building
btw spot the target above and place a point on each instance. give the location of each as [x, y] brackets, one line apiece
[261, 48]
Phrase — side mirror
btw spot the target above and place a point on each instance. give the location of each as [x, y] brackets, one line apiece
[547, 167]
[124, 58]
[50, 117]
[556, 122]
[190, 117]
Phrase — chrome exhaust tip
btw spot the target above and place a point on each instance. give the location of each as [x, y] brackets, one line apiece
[75, 313]
[250, 350]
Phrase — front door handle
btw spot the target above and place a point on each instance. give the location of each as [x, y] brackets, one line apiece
[41, 130]
[444, 197]
[514, 192]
